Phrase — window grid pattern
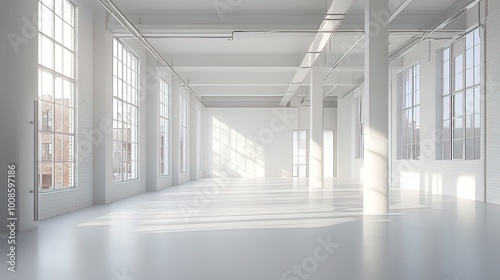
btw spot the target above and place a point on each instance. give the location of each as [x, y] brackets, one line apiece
[461, 100]
[184, 135]
[410, 114]
[56, 94]
[198, 139]
[125, 113]
[164, 128]
[359, 133]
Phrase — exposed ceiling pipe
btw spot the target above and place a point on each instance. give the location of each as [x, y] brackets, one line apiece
[125, 22]
[393, 16]
[435, 28]
[334, 67]
[230, 34]
[399, 10]
[432, 30]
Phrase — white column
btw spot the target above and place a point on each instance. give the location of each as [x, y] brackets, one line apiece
[316, 130]
[103, 114]
[153, 125]
[19, 88]
[176, 132]
[376, 164]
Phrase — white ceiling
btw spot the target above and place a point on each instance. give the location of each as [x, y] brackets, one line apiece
[268, 42]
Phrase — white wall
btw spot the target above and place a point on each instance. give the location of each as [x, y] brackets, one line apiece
[267, 134]
[493, 103]
[268, 141]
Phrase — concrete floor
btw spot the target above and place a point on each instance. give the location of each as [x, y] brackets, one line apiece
[269, 229]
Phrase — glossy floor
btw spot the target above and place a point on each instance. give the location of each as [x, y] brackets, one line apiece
[269, 229]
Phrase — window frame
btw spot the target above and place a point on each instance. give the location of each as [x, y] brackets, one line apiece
[184, 135]
[165, 128]
[199, 164]
[59, 122]
[457, 110]
[359, 133]
[125, 93]
[410, 83]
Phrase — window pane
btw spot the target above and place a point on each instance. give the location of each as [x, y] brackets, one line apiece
[446, 131]
[59, 30]
[458, 152]
[68, 63]
[446, 150]
[458, 105]
[469, 40]
[477, 145]
[68, 36]
[469, 149]
[469, 58]
[68, 94]
[469, 127]
[47, 52]
[58, 175]
[446, 54]
[67, 12]
[469, 102]
[469, 77]
[47, 21]
[446, 108]
[458, 128]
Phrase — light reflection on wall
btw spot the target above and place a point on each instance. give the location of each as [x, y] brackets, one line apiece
[235, 154]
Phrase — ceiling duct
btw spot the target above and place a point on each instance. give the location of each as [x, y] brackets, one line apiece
[330, 23]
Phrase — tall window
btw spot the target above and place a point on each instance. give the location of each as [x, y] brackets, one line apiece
[125, 113]
[56, 93]
[358, 124]
[184, 136]
[300, 161]
[410, 113]
[164, 128]
[198, 138]
[461, 100]
[328, 154]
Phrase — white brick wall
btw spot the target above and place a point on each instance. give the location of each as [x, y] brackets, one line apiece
[492, 107]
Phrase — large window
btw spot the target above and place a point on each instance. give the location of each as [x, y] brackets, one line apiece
[461, 100]
[409, 136]
[198, 139]
[164, 128]
[328, 153]
[56, 94]
[184, 135]
[125, 113]
[359, 128]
